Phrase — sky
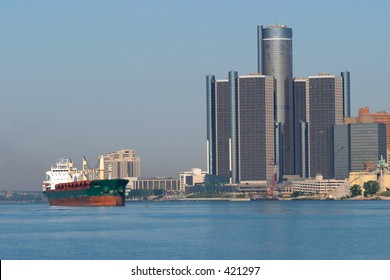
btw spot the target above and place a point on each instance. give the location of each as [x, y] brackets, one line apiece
[84, 78]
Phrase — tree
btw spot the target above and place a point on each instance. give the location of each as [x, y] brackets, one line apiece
[370, 188]
[355, 190]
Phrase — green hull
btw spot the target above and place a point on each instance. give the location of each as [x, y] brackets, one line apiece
[98, 193]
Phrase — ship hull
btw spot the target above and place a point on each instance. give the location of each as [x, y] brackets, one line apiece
[96, 193]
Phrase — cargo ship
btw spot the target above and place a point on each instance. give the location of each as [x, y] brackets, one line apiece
[67, 186]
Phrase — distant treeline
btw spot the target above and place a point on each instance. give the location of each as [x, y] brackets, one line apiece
[19, 197]
[145, 194]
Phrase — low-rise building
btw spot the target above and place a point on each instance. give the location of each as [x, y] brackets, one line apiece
[158, 183]
[191, 178]
[317, 186]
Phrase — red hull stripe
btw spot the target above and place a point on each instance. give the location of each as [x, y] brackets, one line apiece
[89, 201]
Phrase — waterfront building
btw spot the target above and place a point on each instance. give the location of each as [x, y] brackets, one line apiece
[318, 107]
[123, 164]
[325, 109]
[255, 128]
[368, 144]
[380, 173]
[157, 183]
[218, 126]
[190, 178]
[300, 127]
[240, 127]
[379, 117]
[358, 147]
[317, 186]
[360, 142]
[274, 47]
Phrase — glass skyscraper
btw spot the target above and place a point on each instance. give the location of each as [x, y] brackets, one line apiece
[324, 110]
[240, 127]
[255, 129]
[300, 123]
[275, 59]
[218, 126]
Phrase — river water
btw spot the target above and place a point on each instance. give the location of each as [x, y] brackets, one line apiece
[217, 230]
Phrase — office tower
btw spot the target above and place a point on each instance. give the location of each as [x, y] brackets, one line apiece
[368, 144]
[346, 94]
[241, 127]
[300, 126]
[233, 95]
[303, 107]
[274, 47]
[210, 116]
[365, 116]
[325, 109]
[255, 127]
[358, 146]
[218, 126]
[123, 164]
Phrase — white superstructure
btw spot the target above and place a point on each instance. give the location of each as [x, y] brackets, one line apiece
[64, 172]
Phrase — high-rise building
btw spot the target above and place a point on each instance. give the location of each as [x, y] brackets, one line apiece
[368, 144]
[255, 127]
[210, 115]
[300, 126]
[123, 164]
[324, 110]
[218, 126]
[274, 47]
[241, 127]
[358, 146]
[365, 116]
[311, 98]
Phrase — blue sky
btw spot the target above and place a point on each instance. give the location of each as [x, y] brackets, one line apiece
[89, 77]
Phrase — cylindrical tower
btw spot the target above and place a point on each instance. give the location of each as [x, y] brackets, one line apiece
[275, 59]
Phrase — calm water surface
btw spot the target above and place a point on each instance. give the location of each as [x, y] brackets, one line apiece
[284, 230]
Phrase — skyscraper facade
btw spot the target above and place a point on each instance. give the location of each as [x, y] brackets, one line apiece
[324, 110]
[123, 164]
[320, 103]
[255, 130]
[218, 126]
[300, 126]
[210, 116]
[222, 127]
[365, 116]
[367, 144]
[274, 46]
[358, 146]
[241, 123]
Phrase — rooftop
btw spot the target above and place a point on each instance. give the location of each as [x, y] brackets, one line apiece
[277, 26]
